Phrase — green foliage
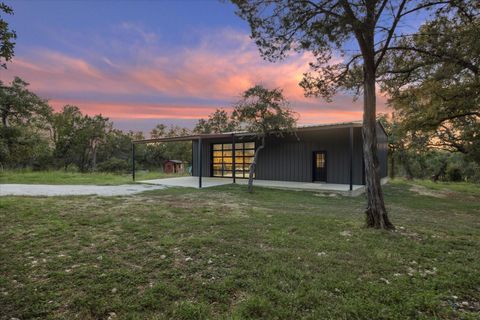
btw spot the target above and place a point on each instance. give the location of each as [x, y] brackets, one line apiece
[32, 135]
[114, 165]
[454, 174]
[19, 106]
[23, 129]
[154, 154]
[435, 90]
[77, 137]
[217, 122]
[7, 36]
[265, 112]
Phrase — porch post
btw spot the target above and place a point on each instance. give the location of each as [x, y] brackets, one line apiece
[351, 157]
[233, 157]
[199, 163]
[133, 161]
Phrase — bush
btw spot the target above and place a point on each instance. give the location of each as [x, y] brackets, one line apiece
[454, 174]
[113, 165]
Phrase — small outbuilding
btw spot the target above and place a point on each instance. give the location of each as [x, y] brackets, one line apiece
[173, 166]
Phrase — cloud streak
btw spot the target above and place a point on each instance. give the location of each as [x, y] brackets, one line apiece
[183, 82]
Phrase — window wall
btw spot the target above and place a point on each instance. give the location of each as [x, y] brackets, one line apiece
[222, 159]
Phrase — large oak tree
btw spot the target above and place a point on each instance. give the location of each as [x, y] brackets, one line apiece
[435, 89]
[359, 32]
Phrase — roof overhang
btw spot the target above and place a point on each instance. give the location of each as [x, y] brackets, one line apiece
[355, 124]
[195, 137]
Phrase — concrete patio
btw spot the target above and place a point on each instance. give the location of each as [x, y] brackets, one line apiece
[192, 182]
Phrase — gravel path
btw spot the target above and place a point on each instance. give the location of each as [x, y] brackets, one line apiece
[73, 190]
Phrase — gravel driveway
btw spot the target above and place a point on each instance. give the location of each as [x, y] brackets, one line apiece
[73, 190]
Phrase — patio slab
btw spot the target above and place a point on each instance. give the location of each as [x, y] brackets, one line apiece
[294, 185]
[189, 182]
[192, 182]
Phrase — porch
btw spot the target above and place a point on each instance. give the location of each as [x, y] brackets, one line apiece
[192, 182]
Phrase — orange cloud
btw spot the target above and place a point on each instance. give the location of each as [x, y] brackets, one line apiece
[207, 76]
[138, 110]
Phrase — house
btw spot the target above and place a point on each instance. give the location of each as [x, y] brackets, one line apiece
[320, 154]
[173, 166]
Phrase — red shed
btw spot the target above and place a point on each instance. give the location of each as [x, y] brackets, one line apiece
[173, 166]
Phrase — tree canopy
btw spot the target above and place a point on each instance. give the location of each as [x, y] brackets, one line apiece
[435, 89]
[217, 122]
[7, 36]
[264, 112]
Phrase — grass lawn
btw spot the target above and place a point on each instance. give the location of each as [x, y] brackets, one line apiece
[62, 177]
[225, 254]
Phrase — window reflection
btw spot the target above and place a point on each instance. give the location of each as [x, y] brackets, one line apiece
[222, 159]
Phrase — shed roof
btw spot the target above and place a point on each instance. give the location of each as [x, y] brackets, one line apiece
[174, 161]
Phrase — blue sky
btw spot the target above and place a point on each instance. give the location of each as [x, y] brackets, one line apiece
[145, 62]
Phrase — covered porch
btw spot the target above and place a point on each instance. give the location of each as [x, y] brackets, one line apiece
[192, 182]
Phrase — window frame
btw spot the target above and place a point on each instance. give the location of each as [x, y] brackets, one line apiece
[228, 173]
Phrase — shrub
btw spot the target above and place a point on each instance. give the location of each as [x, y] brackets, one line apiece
[113, 165]
[454, 174]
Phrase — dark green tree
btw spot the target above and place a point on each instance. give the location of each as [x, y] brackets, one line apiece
[23, 125]
[265, 113]
[217, 122]
[77, 137]
[7, 36]
[328, 28]
[436, 88]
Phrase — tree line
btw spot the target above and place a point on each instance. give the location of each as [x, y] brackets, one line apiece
[33, 135]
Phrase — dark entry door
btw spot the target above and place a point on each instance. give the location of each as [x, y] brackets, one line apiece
[320, 166]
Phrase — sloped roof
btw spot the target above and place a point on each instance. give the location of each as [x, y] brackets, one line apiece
[246, 133]
[174, 161]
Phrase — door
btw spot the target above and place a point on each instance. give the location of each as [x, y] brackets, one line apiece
[320, 166]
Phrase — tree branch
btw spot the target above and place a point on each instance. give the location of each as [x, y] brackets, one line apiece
[390, 33]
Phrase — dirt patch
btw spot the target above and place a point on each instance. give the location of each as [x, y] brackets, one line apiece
[428, 192]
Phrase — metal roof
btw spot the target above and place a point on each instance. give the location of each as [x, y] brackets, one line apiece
[174, 161]
[245, 133]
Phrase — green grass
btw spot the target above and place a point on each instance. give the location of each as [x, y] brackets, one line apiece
[221, 253]
[450, 186]
[62, 177]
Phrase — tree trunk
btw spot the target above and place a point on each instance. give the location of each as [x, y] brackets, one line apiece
[376, 213]
[440, 172]
[253, 165]
[94, 155]
[392, 165]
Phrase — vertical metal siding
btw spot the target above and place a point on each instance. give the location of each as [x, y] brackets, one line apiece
[291, 159]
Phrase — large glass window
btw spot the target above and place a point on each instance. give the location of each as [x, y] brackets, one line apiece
[222, 159]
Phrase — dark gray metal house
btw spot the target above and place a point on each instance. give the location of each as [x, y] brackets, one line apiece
[322, 153]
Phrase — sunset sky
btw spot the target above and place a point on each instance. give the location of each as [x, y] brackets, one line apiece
[142, 63]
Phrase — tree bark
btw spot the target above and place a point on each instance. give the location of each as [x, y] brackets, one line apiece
[392, 165]
[376, 213]
[253, 165]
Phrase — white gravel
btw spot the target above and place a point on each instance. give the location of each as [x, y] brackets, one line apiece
[74, 190]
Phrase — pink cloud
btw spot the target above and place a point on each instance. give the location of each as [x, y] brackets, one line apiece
[202, 73]
[137, 110]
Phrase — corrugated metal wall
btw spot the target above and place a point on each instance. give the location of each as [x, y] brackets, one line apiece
[291, 159]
